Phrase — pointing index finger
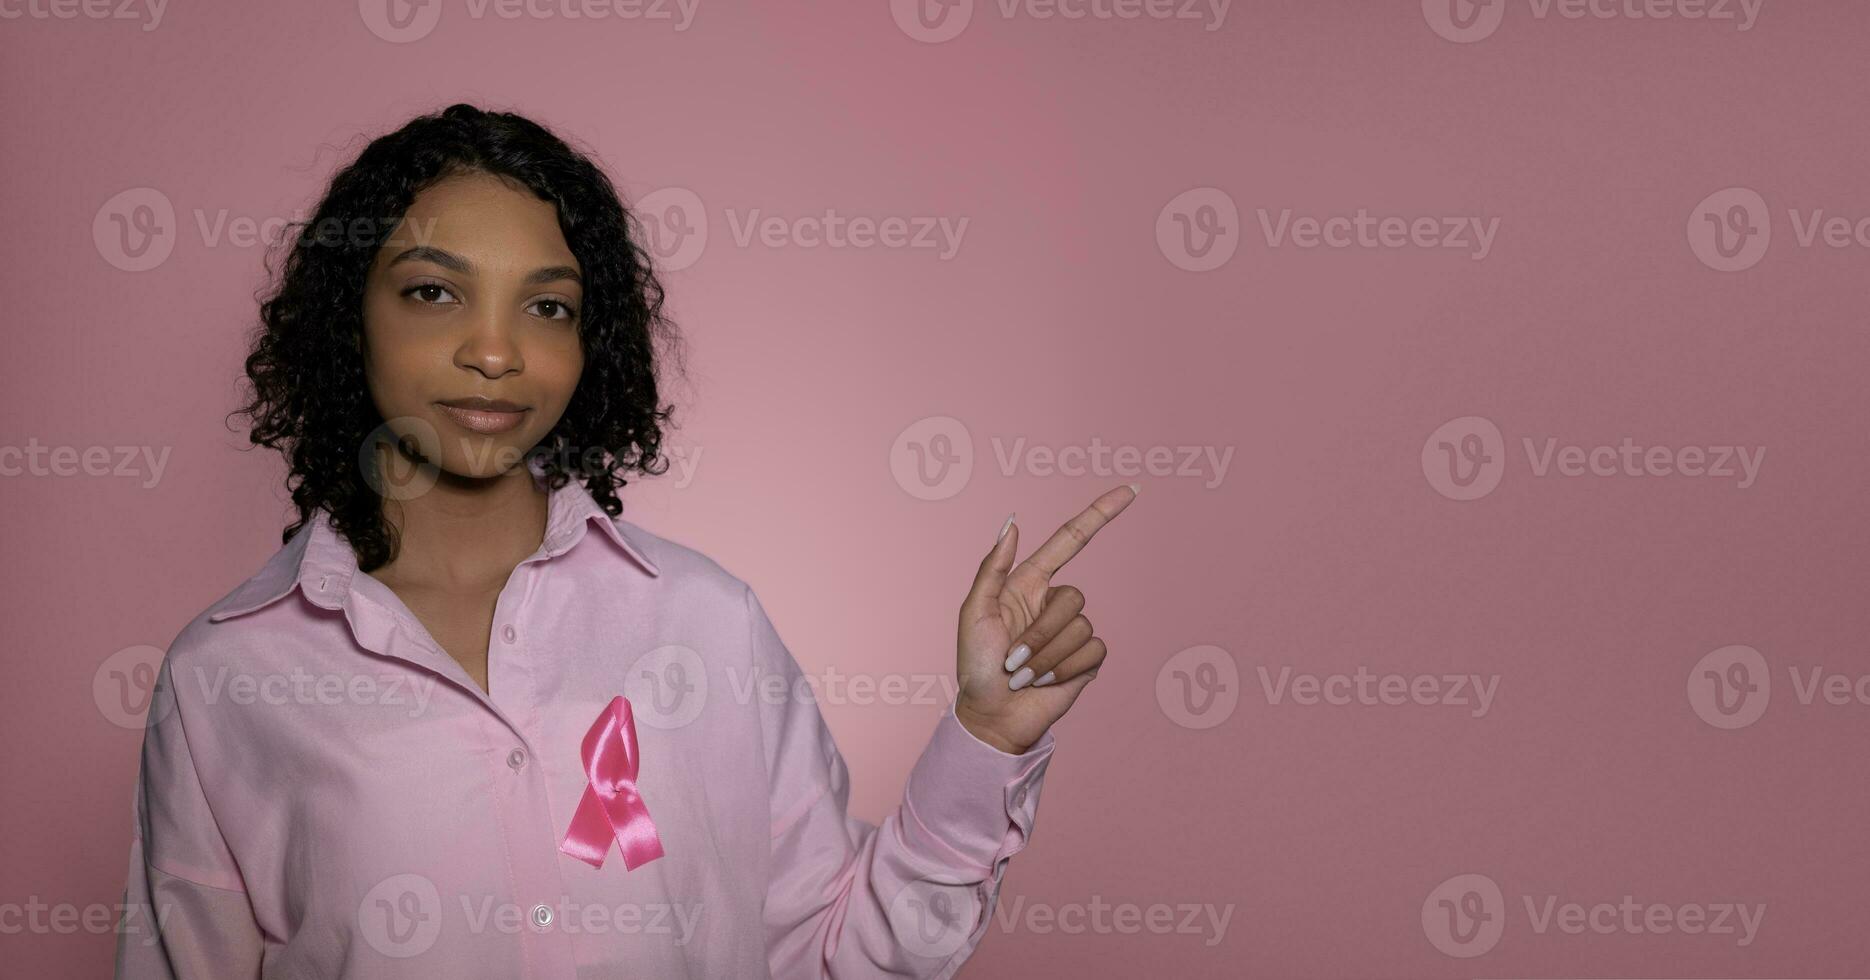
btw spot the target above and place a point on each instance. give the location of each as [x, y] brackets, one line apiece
[1073, 535]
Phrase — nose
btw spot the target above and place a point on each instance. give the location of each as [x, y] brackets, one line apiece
[491, 346]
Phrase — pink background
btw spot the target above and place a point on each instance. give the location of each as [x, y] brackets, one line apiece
[1326, 548]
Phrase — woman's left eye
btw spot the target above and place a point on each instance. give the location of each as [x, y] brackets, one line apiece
[555, 308]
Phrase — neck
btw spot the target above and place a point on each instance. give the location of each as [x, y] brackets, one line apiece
[466, 532]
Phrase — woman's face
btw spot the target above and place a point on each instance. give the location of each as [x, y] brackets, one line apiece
[471, 325]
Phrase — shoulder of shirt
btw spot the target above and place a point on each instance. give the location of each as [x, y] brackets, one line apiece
[682, 567]
[699, 580]
[219, 630]
[206, 643]
[706, 584]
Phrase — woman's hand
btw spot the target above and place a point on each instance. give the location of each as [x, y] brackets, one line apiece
[1025, 650]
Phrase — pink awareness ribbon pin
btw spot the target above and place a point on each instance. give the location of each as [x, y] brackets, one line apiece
[611, 808]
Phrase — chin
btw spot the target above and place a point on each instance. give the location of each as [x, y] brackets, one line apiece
[484, 458]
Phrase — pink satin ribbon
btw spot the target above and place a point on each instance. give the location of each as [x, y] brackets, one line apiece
[611, 809]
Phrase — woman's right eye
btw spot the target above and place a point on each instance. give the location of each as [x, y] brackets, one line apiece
[427, 292]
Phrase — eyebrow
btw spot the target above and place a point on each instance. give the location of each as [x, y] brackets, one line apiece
[455, 263]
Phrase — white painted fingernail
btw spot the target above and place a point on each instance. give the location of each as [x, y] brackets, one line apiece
[1003, 527]
[1044, 679]
[1136, 488]
[1017, 657]
[1019, 680]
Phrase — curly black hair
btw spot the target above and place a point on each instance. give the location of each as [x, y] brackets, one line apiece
[306, 368]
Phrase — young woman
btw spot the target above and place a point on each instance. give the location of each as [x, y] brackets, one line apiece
[468, 722]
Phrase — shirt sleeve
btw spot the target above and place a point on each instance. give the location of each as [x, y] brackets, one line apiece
[912, 897]
[186, 913]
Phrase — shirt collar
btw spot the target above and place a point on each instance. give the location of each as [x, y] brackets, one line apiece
[322, 564]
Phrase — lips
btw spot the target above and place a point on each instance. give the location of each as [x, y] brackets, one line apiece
[487, 416]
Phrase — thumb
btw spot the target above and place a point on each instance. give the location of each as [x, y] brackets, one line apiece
[993, 571]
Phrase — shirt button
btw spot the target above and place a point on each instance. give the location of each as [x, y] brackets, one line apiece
[516, 758]
[509, 634]
[542, 914]
[1019, 796]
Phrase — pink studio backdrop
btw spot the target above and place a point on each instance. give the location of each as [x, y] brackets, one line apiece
[1628, 235]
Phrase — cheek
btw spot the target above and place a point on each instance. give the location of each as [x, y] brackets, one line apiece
[376, 371]
[396, 369]
[384, 358]
[560, 366]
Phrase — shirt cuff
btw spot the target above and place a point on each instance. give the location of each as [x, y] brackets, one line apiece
[970, 805]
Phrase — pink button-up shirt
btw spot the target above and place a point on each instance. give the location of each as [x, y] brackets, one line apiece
[324, 792]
